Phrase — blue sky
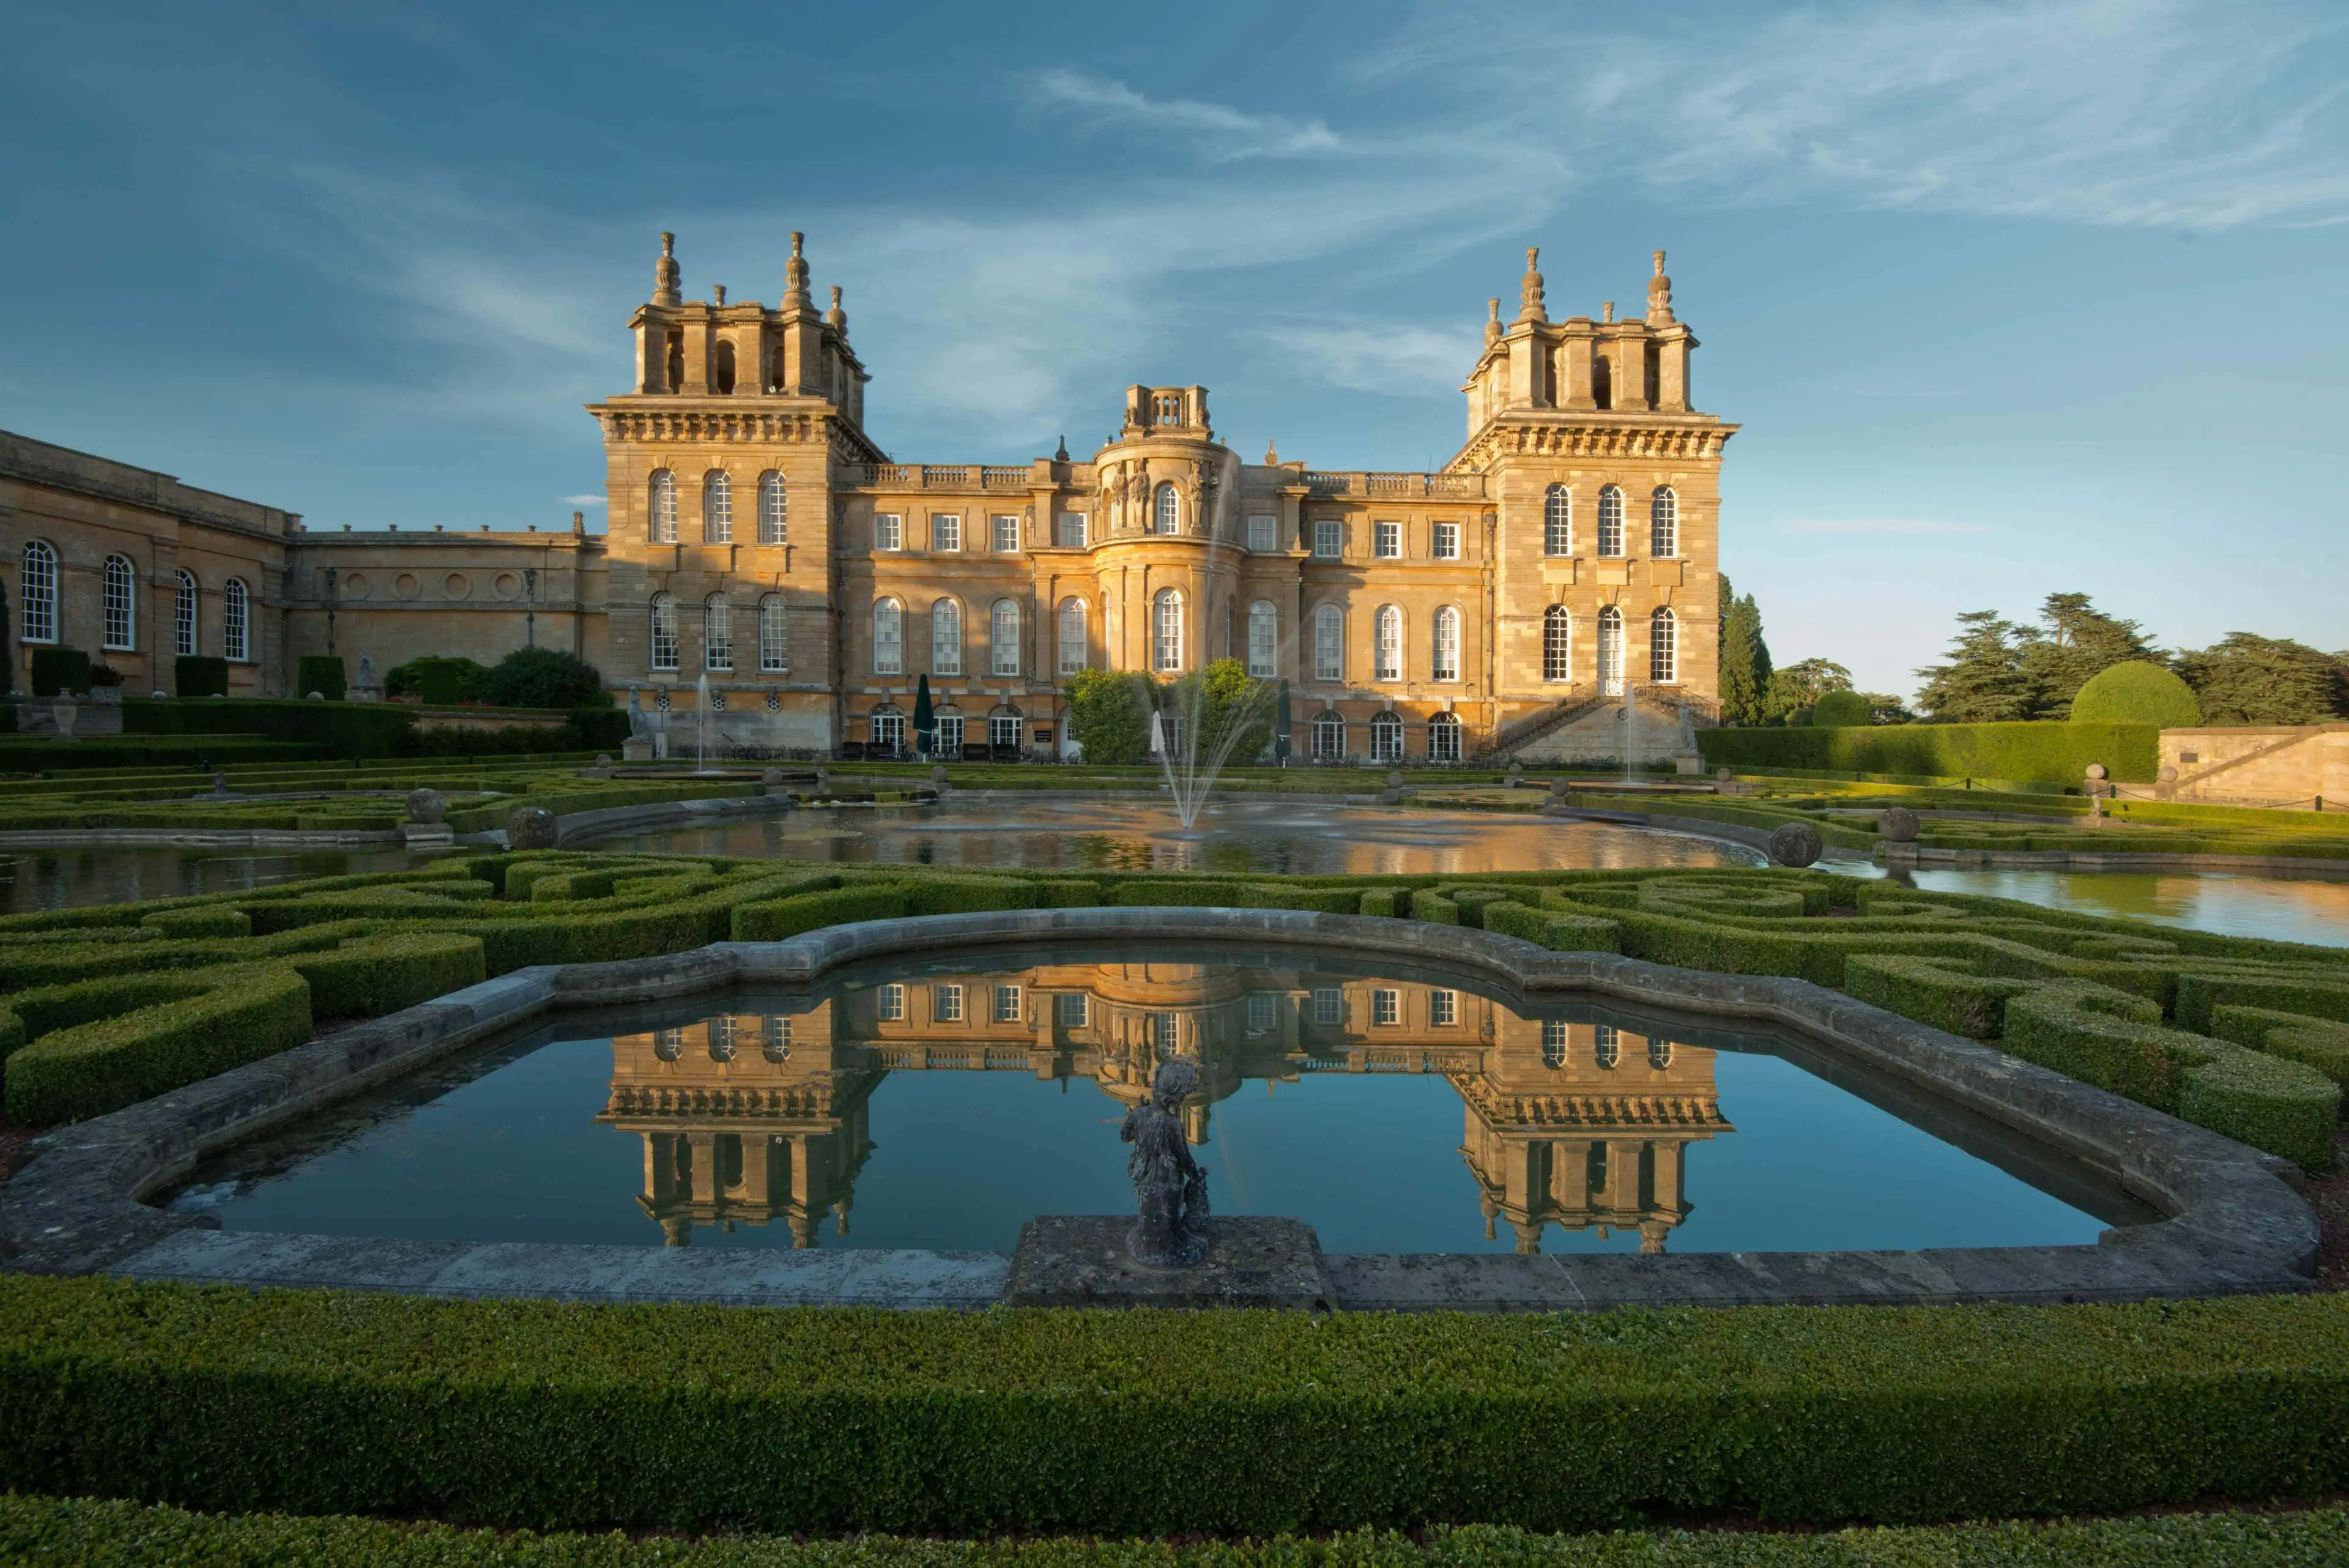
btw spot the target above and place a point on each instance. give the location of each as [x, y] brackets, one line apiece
[2008, 299]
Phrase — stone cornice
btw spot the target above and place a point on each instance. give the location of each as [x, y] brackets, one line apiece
[1517, 434]
[654, 422]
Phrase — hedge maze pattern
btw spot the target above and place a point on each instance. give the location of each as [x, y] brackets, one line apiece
[102, 1007]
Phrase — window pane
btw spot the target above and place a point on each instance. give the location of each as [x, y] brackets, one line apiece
[1069, 531]
[1006, 532]
[1664, 524]
[1388, 539]
[1447, 541]
[118, 597]
[1003, 637]
[1330, 539]
[716, 634]
[1611, 521]
[1558, 522]
[1447, 644]
[716, 509]
[771, 654]
[1390, 644]
[1558, 643]
[1328, 644]
[1263, 534]
[888, 531]
[184, 615]
[946, 638]
[771, 517]
[946, 531]
[664, 632]
[1072, 636]
[1264, 637]
[888, 639]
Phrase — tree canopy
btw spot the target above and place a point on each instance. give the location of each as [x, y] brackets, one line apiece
[2245, 679]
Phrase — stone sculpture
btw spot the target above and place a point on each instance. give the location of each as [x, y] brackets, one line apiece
[1897, 825]
[428, 807]
[1170, 1187]
[530, 827]
[1795, 843]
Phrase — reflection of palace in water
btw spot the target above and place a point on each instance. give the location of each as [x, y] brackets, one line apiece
[758, 1117]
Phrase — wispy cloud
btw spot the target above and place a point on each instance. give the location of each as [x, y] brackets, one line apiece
[1216, 131]
[584, 500]
[1881, 526]
[1394, 360]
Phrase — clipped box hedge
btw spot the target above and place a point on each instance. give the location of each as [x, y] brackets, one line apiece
[88, 1069]
[545, 1414]
[2057, 753]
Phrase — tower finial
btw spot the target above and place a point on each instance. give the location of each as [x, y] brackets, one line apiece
[836, 318]
[1271, 456]
[795, 274]
[1492, 322]
[1659, 296]
[718, 295]
[1060, 453]
[666, 273]
[1529, 292]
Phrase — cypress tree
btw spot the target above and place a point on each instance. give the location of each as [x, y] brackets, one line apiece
[1744, 660]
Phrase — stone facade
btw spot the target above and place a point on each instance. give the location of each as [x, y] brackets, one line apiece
[1551, 591]
[2305, 766]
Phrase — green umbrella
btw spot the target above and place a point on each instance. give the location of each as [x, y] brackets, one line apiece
[1280, 732]
[925, 721]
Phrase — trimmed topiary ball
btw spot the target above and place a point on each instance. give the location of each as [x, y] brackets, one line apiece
[2137, 694]
[1842, 711]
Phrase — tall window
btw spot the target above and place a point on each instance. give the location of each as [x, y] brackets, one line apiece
[36, 590]
[1264, 637]
[1443, 746]
[184, 613]
[888, 637]
[1167, 515]
[1447, 541]
[1072, 636]
[1663, 648]
[237, 621]
[1386, 1006]
[1328, 738]
[1558, 522]
[1447, 644]
[946, 638]
[1610, 521]
[889, 730]
[1005, 531]
[121, 596]
[1606, 1047]
[949, 740]
[1386, 541]
[1329, 643]
[1611, 651]
[717, 508]
[664, 631]
[1664, 523]
[1388, 664]
[661, 510]
[1443, 1005]
[1069, 530]
[1558, 644]
[773, 518]
[1003, 733]
[1386, 738]
[888, 531]
[889, 1001]
[1264, 535]
[1167, 631]
[1555, 1041]
[775, 651]
[716, 633]
[946, 531]
[1329, 538]
[1003, 637]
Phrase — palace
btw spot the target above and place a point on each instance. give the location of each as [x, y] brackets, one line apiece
[1551, 593]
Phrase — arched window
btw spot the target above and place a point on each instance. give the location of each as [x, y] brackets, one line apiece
[1558, 644]
[1611, 651]
[716, 633]
[946, 638]
[1602, 382]
[1663, 648]
[717, 508]
[725, 366]
[774, 648]
[1558, 522]
[1264, 637]
[1554, 1043]
[888, 637]
[1447, 644]
[1663, 524]
[775, 371]
[1168, 518]
[1072, 636]
[184, 613]
[772, 516]
[660, 513]
[1659, 1054]
[1606, 1047]
[1610, 521]
[1166, 629]
[237, 621]
[1328, 738]
[664, 631]
[1389, 663]
[1444, 738]
[1386, 738]
[1329, 643]
[36, 590]
[120, 602]
[1003, 637]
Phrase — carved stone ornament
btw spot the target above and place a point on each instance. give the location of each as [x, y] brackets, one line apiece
[530, 827]
[1796, 843]
[1897, 825]
[1170, 1187]
[427, 807]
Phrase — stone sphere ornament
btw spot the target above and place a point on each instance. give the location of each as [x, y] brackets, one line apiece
[1897, 825]
[530, 827]
[770, 777]
[1795, 843]
[939, 776]
[603, 759]
[428, 807]
[2097, 771]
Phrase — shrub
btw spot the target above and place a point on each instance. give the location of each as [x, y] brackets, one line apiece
[1109, 715]
[353, 729]
[1559, 933]
[59, 672]
[203, 920]
[248, 1012]
[961, 895]
[199, 675]
[437, 679]
[2042, 753]
[2137, 693]
[544, 678]
[2316, 1043]
[370, 977]
[785, 917]
[322, 673]
[1841, 710]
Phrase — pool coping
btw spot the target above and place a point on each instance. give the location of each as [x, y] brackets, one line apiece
[2234, 1222]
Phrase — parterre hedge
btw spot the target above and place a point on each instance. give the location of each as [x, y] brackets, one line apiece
[2051, 753]
[549, 1415]
[50, 1529]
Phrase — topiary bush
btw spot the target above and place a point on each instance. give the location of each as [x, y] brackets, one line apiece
[322, 673]
[1842, 710]
[433, 679]
[59, 672]
[544, 678]
[199, 675]
[2137, 692]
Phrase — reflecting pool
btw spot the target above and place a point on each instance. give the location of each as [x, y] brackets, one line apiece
[32, 880]
[941, 1104]
[2288, 910]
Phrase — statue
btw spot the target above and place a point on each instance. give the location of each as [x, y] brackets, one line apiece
[638, 729]
[1169, 1185]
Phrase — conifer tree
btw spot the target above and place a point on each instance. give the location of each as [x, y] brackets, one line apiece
[1984, 681]
[1744, 660]
[2074, 642]
[2250, 680]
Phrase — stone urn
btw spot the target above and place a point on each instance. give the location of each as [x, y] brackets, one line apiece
[938, 777]
[1897, 825]
[427, 807]
[1795, 843]
[65, 712]
[530, 827]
